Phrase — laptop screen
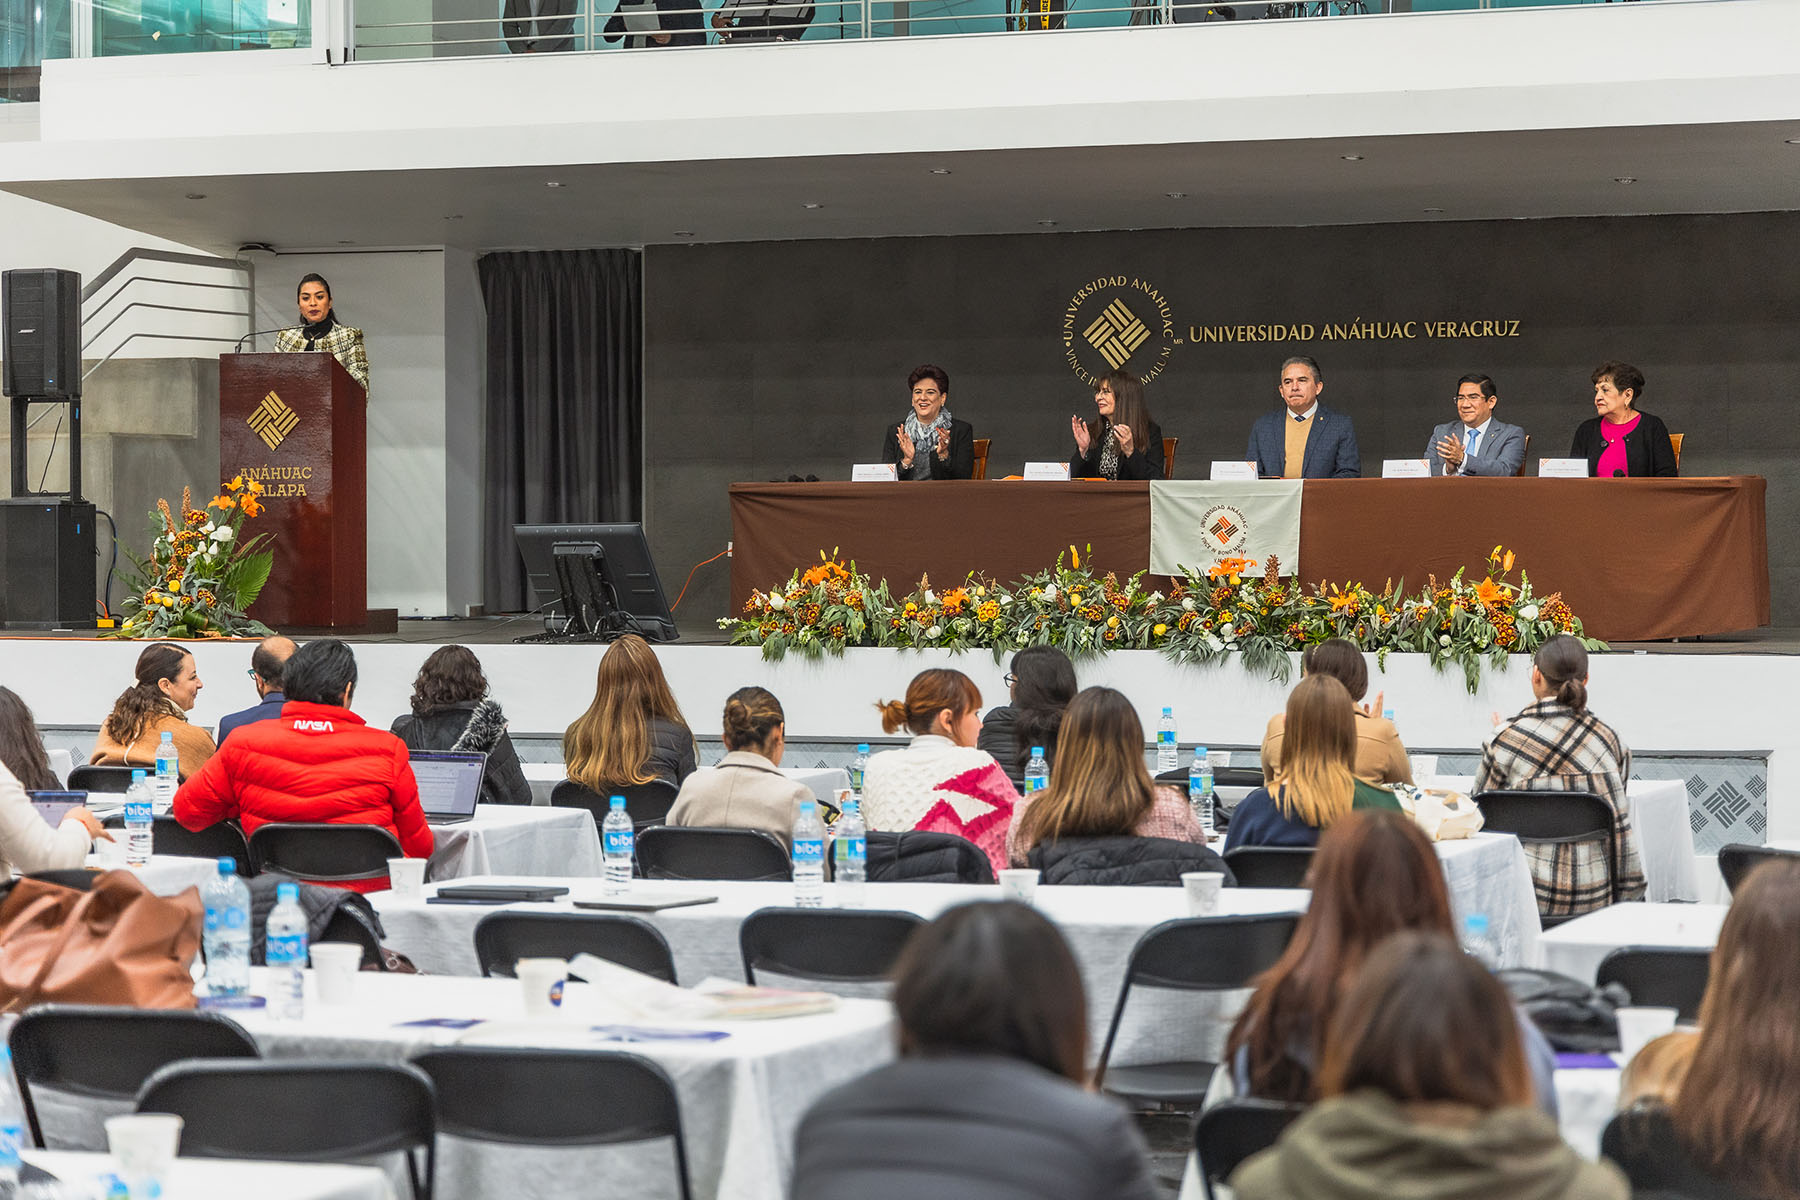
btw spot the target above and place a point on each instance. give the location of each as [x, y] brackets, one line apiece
[449, 783]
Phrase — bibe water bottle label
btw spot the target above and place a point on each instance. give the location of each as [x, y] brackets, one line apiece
[809, 850]
[618, 842]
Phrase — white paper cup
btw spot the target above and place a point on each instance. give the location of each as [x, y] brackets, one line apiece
[335, 965]
[1019, 883]
[406, 876]
[143, 1144]
[1203, 892]
[1218, 758]
[1639, 1026]
[1424, 768]
[542, 980]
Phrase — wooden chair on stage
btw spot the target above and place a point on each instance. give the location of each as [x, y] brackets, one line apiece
[1169, 445]
[1675, 441]
[981, 449]
[1524, 461]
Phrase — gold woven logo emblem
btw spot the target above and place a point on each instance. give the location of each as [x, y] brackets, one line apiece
[272, 420]
[1117, 323]
[1116, 333]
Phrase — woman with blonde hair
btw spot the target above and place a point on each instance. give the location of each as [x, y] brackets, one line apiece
[167, 686]
[745, 789]
[1316, 783]
[1100, 787]
[633, 731]
[940, 782]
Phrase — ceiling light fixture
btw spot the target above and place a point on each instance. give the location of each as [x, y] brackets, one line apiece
[552, 183]
[684, 233]
[1793, 141]
[345, 242]
[1434, 210]
[1624, 179]
[1176, 195]
[940, 170]
[809, 206]
[1351, 157]
[1047, 223]
[196, 195]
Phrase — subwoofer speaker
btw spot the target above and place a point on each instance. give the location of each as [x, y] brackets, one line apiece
[47, 550]
[40, 310]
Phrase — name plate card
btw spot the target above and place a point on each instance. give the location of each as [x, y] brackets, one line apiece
[1234, 471]
[1405, 468]
[874, 473]
[1562, 468]
[1058, 471]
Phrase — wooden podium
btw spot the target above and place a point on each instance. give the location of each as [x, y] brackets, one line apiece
[298, 424]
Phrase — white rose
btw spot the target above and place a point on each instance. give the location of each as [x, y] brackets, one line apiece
[929, 597]
[1187, 602]
[1444, 639]
[1529, 612]
[1213, 643]
[222, 534]
[776, 601]
[1227, 631]
[934, 632]
[1050, 592]
[1155, 596]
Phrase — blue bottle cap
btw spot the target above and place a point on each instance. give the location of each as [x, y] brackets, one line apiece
[862, 747]
[809, 805]
[1168, 712]
[137, 774]
[227, 865]
[1476, 923]
[286, 892]
[617, 802]
[1037, 752]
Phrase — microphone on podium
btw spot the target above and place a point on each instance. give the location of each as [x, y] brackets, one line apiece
[240, 342]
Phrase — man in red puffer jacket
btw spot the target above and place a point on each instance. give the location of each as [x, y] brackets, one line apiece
[317, 761]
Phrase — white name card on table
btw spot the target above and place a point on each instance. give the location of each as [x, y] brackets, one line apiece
[1228, 470]
[874, 473]
[1562, 468]
[1405, 468]
[1047, 470]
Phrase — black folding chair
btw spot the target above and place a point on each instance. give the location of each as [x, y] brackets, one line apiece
[827, 945]
[1659, 976]
[648, 803]
[555, 1098]
[1270, 866]
[1194, 954]
[324, 853]
[224, 840]
[115, 780]
[922, 856]
[303, 1112]
[1231, 1131]
[682, 852]
[1738, 860]
[1549, 818]
[503, 938]
[105, 1053]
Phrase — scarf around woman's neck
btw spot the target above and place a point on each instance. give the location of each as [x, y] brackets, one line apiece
[1109, 453]
[924, 440]
[315, 330]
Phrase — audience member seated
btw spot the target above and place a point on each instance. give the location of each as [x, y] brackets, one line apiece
[1623, 440]
[1556, 745]
[1100, 788]
[988, 1099]
[1654, 1074]
[633, 731]
[28, 842]
[1425, 1095]
[1731, 1130]
[940, 783]
[451, 710]
[266, 663]
[930, 443]
[1380, 756]
[317, 762]
[1040, 685]
[1122, 442]
[746, 789]
[1375, 874]
[158, 703]
[1315, 785]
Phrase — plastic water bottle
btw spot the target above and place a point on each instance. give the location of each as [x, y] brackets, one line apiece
[227, 941]
[1037, 771]
[12, 1126]
[1478, 941]
[858, 766]
[618, 844]
[168, 773]
[850, 855]
[809, 856]
[1200, 791]
[1168, 757]
[285, 942]
[139, 821]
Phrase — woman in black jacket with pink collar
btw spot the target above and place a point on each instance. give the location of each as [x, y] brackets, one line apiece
[1622, 441]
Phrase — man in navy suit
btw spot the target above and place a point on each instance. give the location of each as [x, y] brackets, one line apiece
[267, 662]
[1305, 440]
[1476, 444]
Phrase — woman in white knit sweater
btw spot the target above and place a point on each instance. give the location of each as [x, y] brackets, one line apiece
[940, 783]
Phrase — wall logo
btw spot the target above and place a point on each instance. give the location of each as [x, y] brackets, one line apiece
[1117, 323]
[1225, 528]
[272, 420]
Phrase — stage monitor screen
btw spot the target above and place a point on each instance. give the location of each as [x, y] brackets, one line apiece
[633, 589]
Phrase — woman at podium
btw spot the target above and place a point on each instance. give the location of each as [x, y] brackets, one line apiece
[321, 330]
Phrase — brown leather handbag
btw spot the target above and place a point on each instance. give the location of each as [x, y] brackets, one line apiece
[117, 943]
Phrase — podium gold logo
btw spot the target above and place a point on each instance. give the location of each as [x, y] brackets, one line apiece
[272, 420]
[1117, 323]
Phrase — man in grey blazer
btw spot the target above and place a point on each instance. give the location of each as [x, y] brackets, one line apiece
[1476, 443]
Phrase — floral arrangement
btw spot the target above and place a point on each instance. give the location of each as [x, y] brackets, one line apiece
[1227, 610]
[202, 574]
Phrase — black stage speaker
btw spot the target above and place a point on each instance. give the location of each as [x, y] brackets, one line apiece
[47, 551]
[40, 310]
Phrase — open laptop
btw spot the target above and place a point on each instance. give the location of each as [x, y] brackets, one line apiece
[449, 784]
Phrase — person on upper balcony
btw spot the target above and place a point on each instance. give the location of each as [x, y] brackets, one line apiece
[320, 329]
[1122, 442]
[930, 443]
[1623, 440]
[1304, 440]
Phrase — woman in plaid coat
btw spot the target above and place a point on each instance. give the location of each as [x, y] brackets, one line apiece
[321, 330]
[1556, 745]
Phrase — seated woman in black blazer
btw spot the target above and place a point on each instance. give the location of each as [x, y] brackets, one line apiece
[1623, 441]
[1122, 442]
[930, 443]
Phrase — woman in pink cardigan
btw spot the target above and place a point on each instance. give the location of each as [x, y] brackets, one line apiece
[940, 783]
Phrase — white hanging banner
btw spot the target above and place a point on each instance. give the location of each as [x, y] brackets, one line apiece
[1196, 523]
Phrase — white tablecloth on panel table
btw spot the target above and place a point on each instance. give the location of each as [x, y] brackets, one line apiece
[517, 839]
[741, 1097]
[1488, 874]
[227, 1178]
[1577, 947]
[823, 782]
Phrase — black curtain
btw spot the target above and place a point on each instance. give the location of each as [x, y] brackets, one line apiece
[564, 399]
